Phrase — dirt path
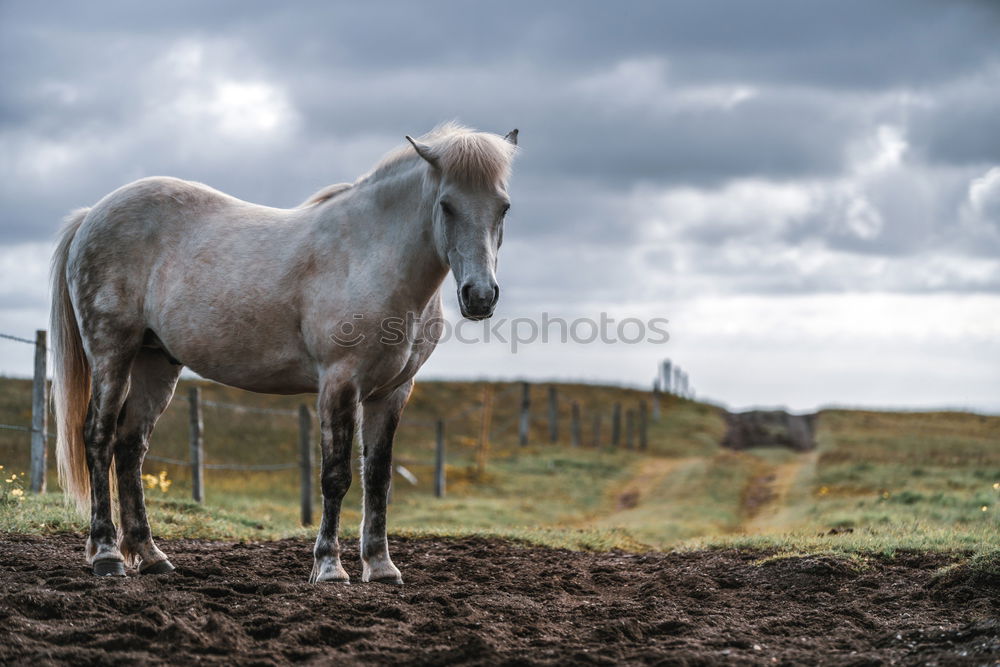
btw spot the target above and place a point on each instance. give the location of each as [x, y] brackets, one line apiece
[479, 601]
[649, 475]
[767, 494]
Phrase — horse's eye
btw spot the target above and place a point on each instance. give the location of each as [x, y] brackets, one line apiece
[505, 209]
[447, 209]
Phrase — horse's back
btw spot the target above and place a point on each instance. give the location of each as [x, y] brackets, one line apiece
[143, 199]
[199, 269]
[132, 234]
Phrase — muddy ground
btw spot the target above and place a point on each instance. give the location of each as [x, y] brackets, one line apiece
[484, 601]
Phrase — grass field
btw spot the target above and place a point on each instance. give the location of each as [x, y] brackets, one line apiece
[877, 482]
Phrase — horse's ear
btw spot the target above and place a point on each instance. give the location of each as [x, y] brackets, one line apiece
[511, 136]
[424, 151]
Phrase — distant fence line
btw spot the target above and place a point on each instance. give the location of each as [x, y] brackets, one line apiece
[670, 379]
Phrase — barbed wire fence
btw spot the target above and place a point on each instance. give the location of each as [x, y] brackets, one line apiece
[630, 433]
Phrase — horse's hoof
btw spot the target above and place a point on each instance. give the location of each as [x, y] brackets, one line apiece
[159, 567]
[328, 572]
[381, 571]
[109, 568]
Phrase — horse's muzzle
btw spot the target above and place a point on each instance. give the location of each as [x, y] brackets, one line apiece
[477, 300]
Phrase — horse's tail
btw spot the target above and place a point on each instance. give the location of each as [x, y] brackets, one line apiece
[70, 374]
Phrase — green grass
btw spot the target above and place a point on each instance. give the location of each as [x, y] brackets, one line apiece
[885, 481]
[178, 517]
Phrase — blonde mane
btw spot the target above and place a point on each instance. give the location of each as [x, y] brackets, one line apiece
[465, 155]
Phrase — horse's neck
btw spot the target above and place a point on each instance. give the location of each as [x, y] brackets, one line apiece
[392, 235]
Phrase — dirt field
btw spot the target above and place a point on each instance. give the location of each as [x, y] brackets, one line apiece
[488, 602]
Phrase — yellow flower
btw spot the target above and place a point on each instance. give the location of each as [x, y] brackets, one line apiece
[164, 482]
[823, 490]
[17, 493]
[154, 481]
[996, 486]
[984, 508]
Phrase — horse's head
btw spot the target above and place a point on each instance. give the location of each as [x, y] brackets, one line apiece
[471, 201]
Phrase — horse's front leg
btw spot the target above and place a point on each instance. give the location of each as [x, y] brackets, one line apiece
[380, 420]
[338, 407]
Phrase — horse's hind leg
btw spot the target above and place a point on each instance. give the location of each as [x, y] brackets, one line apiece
[379, 428]
[152, 382]
[110, 372]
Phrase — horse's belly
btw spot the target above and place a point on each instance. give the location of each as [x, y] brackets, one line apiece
[262, 378]
[270, 362]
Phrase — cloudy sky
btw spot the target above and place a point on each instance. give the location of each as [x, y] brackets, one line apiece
[808, 191]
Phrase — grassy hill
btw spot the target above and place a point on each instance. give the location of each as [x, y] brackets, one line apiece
[877, 481]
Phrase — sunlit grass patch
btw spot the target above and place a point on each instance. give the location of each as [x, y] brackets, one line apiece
[856, 562]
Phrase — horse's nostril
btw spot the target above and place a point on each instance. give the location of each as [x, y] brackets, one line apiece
[478, 297]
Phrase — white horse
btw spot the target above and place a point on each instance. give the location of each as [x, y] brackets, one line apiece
[163, 273]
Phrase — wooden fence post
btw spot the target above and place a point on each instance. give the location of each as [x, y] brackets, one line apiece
[439, 479]
[553, 414]
[630, 429]
[596, 428]
[306, 460]
[643, 426]
[616, 425]
[656, 400]
[484, 429]
[525, 424]
[574, 427]
[197, 446]
[39, 416]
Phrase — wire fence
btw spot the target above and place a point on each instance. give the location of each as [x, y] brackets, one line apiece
[612, 425]
[17, 338]
[15, 427]
[265, 467]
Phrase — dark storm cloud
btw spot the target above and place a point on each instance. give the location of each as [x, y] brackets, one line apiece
[962, 123]
[850, 43]
[610, 98]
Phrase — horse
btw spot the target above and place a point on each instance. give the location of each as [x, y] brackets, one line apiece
[163, 274]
